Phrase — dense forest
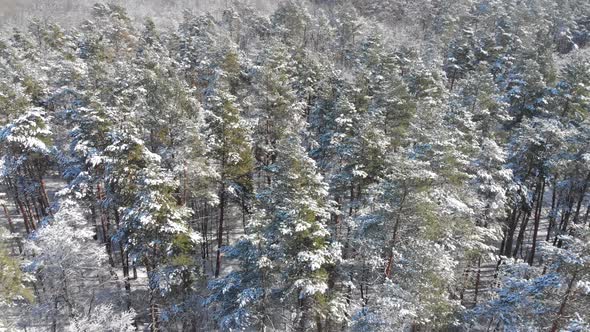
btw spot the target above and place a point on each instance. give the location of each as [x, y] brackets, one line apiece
[327, 165]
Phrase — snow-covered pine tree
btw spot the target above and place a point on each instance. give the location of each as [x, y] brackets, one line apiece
[26, 159]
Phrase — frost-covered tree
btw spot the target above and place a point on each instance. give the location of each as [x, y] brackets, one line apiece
[69, 269]
[13, 288]
[104, 318]
[228, 137]
[554, 297]
[153, 227]
[291, 255]
[25, 161]
[326, 164]
[297, 242]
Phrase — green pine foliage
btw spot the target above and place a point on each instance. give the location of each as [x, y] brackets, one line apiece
[317, 165]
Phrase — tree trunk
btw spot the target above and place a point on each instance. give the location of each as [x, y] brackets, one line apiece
[513, 221]
[125, 275]
[504, 235]
[28, 227]
[555, 325]
[154, 314]
[537, 222]
[12, 230]
[554, 208]
[305, 320]
[185, 187]
[29, 212]
[220, 230]
[9, 219]
[521, 232]
[395, 232]
[477, 281]
[105, 226]
[587, 214]
[44, 196]
[124, 264]
[565, 219]
[581, 199]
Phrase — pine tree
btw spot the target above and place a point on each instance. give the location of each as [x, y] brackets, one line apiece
[229, 142]
[26, 160]
[297, 239]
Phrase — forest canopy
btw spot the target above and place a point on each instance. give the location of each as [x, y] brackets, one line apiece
[321, 165]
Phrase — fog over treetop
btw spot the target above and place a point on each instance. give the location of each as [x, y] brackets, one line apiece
[70, 12]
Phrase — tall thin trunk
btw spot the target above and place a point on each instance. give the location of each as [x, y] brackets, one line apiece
[305, 320]
[29, 211]
[28, 226]
[154, 327]
[244, 212]
[581, 199]
[464, 283]
[477, 280]
[220, 230]
[453, 77]
[44, 196]
[568, 291]
[537, 222]
[554, 208]
[123, 254]
[204, 223]
[154, 317]
[513, 221]
[521, 232]
[125, 267]
[105, 225]
[185, 186]
[8, 218]
[395, 232]
[38, 211]
[565, 219]
[12, 230]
